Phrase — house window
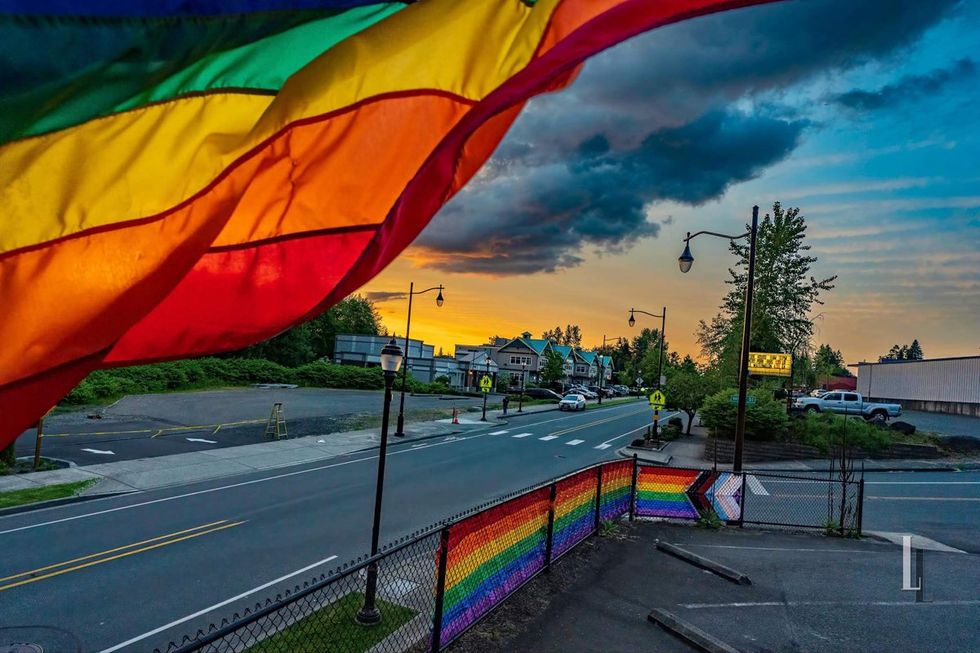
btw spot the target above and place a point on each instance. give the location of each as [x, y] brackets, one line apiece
[520, 360]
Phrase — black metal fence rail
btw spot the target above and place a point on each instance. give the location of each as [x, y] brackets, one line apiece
[437, 583]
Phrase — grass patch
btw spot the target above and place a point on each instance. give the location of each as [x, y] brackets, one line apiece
[332, 628]
[43, 493]
[26, 466]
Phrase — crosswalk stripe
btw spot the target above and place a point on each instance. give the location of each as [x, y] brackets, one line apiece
[603, 446]
[756, 486]
[498, 432]
[574, 442]
[549, 437]
[520, 435]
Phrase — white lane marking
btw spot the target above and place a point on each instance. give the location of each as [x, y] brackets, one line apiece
[216, 606]
[602, 446]
[608, 443]
[201, 440]
[781, 548]
[99, 451]
[521, 435]
[756, 486]
[498, 432]
[574, 443]
[870, 496]
[922, 482]
[794, 604]
[221, 487]
[549, 437]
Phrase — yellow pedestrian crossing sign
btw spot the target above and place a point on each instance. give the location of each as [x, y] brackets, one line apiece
[486, 383]
[657, 400]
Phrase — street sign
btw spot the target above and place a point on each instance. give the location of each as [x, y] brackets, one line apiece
[663, 380]
[486, 383]
[657, 400]
[639, 380]
[749, 400]
[770, 364]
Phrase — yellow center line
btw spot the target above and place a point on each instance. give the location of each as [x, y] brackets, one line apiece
[119, 555]
[601, 421]
[118, 548]
[156, 432]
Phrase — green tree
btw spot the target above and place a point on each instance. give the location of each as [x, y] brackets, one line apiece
[765, 419]
[554, 368]
[687, 389]
[914, 352]
[784, 296]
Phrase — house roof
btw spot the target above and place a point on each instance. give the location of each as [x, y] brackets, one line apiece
[587, 356]
[537, 344]
[562, 350]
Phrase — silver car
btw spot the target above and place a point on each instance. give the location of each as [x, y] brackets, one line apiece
[572, 402]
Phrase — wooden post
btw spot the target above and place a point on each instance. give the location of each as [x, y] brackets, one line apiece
[37, 443]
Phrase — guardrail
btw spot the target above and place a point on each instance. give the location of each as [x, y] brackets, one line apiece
[437, 583]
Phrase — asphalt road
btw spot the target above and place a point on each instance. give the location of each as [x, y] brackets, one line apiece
[228, 537]
[145, 426]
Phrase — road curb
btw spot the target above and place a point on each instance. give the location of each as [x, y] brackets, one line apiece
[54, 503]
[727, 573]
[690, 634]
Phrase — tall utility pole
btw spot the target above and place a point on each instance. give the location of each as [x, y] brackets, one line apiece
[400, 429]
[685, 261]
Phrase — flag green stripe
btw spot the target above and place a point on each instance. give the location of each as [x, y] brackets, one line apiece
[96, 69]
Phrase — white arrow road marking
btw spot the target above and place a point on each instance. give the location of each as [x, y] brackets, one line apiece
[519, 435]
[574, 442]
[549, 437]
[498, 432]
[201, 440]
[756, 486]
[99, 451]
[603, 446]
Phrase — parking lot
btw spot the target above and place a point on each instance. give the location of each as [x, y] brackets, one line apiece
[143, 426]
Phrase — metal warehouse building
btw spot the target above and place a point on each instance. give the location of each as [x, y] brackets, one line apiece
[944, 385]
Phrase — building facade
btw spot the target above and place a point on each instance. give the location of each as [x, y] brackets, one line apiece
[944, 385]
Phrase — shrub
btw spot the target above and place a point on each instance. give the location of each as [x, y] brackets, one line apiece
[825, 430]
[764, 420]
[676, 422]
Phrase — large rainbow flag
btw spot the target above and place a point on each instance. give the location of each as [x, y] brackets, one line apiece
[183, 177]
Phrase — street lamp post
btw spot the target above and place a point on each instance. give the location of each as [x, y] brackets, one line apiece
[391, 360]
[400, 430]
[685, 261]
[663, 327]
[520, 397]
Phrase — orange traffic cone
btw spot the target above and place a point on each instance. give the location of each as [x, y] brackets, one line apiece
[455, 415]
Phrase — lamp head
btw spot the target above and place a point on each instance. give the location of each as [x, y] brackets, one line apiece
[391, 357]
[632, 320]
[686, 260]
[439, 299]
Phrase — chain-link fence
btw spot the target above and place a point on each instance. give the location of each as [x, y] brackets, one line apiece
[820, 500]
[434, 585]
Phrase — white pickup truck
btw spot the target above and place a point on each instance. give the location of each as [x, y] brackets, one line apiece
[850, 403]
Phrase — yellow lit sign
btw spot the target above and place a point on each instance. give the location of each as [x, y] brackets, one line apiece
[770, 364]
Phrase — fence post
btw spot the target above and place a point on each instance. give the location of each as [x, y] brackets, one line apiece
[741, 512]
[636, 467]
[440, 589]
[598, 498]
[551, 526]
[860, 504]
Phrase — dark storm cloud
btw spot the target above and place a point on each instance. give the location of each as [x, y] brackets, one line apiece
[596, 197]
[650, 120]
[908, 89]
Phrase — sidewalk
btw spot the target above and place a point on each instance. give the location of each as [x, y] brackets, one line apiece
[164, 471]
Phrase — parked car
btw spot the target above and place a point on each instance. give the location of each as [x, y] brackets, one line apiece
[541, 393]
[585, 392]
[819, 392]
[850, 403]
[604, 391]
[572, 402]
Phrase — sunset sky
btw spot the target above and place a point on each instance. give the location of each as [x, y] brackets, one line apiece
[863, 114]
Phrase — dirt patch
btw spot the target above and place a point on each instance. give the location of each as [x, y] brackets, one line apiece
[522, 609]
